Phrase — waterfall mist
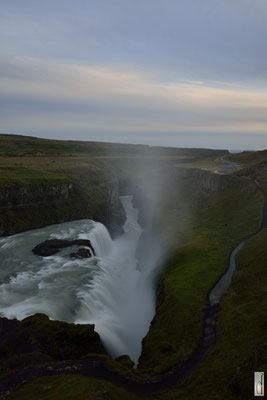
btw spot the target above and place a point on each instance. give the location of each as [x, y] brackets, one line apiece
[115, 290]
[122, 297]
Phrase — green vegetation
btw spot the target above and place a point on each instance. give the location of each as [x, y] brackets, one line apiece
[48, 205]
[228, 371]
[31, 198]
[21, 176]
[248, 158]
[254, 166]
[59, 340]
[207, 214]
[27, 146]
[219, 224]
[35, 175]
[70, 388]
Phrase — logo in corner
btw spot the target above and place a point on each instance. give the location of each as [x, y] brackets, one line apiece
[259, 384]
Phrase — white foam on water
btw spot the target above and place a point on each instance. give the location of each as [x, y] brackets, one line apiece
[110, 290]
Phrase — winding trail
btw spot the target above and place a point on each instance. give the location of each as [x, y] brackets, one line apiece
[93, 367]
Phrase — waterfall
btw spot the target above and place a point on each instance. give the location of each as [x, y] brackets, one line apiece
[110, 290]
[117, 300]
[100, 239]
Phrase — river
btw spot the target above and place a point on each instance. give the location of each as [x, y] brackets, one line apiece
[111, 291]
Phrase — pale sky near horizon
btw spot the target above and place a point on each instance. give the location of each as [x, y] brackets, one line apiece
[187, 73]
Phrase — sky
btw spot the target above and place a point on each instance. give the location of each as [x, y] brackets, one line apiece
[183, 73]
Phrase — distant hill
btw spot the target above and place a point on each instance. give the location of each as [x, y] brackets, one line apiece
[249, 158]
[254, 165]
[17, 145]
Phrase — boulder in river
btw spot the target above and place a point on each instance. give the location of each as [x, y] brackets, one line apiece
[81, 253]
[53, 246]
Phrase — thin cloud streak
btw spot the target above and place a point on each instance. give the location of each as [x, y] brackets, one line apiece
[135, 70]
[137, 102]
[33, 78]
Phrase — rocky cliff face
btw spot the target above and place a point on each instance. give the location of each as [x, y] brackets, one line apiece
[115, 214]
[18, 196]
[34, 206]
[37, 340]
[206, 181]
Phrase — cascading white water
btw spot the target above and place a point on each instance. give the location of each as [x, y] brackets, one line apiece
[110, 290]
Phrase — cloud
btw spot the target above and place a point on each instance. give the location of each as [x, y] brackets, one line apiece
[56, 97]
[34, 78]
[188, 71]
[193, 39]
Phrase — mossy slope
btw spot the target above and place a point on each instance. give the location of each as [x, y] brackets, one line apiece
[228, 372]
[219, 225]
[56, 339]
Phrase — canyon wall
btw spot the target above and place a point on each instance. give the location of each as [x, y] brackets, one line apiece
[30, 206]
[34, 206]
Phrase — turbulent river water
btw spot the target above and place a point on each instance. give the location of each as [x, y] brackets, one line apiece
[100, 295]
[110, 290]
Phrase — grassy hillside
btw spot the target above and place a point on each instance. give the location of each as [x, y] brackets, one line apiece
[227, 373]
[95, 171]
[254, 166]
[27, 146]
[70, 388]
[206, 218]
[248, 158]
[222, 220]
[21, 176]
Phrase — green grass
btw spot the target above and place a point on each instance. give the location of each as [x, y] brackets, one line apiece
[27, 146]
[248, 158]
[32, 198]
[222, 221]
[240, 350]
[54, 338]
[227, 373]
[254, 166]
[70, 388]
[21, 176]
[206, 226]
[257, 172]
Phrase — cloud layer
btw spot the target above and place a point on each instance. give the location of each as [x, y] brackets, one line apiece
[185, 73]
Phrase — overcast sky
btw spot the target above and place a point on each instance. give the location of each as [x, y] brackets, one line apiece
[185, 73]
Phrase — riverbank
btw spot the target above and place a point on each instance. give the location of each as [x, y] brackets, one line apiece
[207, 217]
[236, 387]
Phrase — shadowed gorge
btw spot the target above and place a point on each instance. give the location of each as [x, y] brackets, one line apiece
[173, 223]
[133, 200]
[105, 289]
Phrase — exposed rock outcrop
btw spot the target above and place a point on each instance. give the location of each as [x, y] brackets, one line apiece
[18, 196]
[115, 214]
[35, 206]
[42, 338]
[53, 246]
[81, 253]
[207, 181]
